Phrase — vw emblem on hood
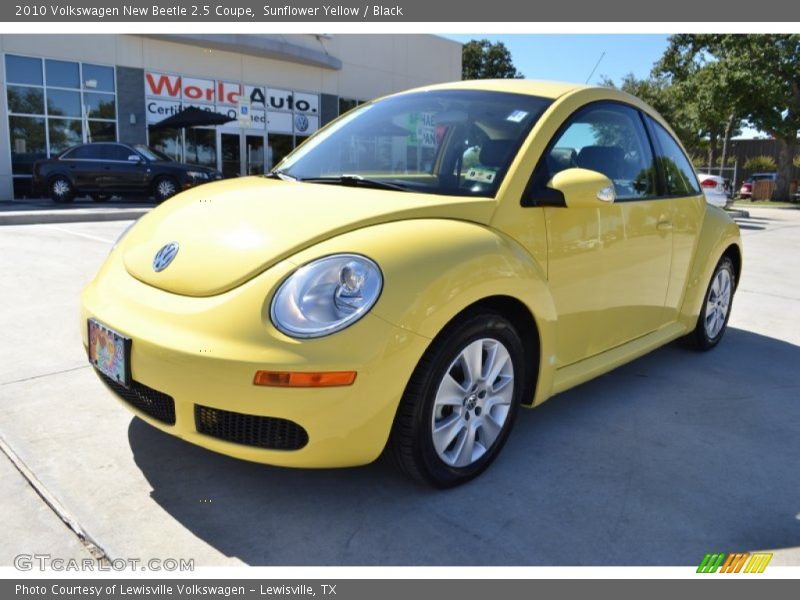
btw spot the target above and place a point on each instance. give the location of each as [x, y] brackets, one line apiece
[165, 256]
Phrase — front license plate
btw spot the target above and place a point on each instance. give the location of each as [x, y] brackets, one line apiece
[110, 352]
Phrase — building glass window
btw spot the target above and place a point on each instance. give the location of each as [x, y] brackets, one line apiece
[21, 69]
[279, 146]
[28, 143]
[346, 104]
[54, 104]
[61, 73]
[62, 103]
[167, 141]
[201, 147]
[98, 78]
[101, 131]
[25, 100]
[63, 133]
[100, 106]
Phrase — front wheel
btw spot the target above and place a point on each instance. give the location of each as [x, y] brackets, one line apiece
[164, 188]
[61, 190]
[460, 404]
[713, 319]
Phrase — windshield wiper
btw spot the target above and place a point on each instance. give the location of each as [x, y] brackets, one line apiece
[281, 175]
[356, 180]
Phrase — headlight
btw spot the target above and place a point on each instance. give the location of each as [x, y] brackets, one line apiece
[197, 174]
[326, 296]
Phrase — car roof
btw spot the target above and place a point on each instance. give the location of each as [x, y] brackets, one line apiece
[532, 87]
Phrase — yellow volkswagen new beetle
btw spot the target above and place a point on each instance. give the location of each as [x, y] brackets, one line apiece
[411, 275]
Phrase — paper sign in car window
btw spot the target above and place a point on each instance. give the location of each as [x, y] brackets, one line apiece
[517, 116]
[480, 174]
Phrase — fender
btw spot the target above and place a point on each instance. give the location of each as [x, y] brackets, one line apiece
[433, 269]
[717, 233]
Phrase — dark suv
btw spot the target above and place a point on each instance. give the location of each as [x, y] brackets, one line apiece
[106, 169]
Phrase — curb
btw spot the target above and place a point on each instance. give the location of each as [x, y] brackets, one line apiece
[738, 213]
[32, 217]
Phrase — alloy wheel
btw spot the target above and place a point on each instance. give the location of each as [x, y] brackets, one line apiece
[473, 402]
[718, 303]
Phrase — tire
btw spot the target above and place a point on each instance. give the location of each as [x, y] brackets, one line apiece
[61, 190]
[713, 319]
[442, 401]
[101, 197]
[164, 188]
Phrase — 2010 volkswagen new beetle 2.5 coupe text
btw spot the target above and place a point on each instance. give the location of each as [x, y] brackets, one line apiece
[411, 275]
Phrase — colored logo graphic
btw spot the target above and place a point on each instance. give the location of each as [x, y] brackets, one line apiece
[165, 256]
[301, 123]
[735, 562]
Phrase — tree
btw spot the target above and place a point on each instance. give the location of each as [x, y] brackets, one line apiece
[481, 59]
[762, 82]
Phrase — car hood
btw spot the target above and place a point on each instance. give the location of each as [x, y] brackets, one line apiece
[230, 231]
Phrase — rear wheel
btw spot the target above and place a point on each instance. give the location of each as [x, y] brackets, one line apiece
[164, 188]
[61, 190]
[460, 404]
[713, 319]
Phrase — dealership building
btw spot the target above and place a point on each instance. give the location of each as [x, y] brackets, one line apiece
[62, 90]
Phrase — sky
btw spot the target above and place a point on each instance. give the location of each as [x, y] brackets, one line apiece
[572, 57]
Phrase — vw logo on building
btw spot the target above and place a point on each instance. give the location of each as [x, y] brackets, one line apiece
[165, 256]
[301, 123]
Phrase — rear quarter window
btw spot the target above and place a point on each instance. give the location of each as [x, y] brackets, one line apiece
[680, 179]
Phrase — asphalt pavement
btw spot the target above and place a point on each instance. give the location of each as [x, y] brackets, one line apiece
[666, 459]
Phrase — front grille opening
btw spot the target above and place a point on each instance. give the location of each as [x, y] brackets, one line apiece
[151, 402]
[249, 430]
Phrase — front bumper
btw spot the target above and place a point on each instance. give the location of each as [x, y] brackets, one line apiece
[204, 352]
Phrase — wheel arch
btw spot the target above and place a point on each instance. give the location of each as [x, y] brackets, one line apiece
[521, 317]
[719, 236]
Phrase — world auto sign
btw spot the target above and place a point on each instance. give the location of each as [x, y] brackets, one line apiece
[273, 109]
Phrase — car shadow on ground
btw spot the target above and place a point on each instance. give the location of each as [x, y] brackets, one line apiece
[667, 458]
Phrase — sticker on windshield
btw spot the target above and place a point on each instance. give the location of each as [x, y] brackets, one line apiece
[480, 174]
[517, 116]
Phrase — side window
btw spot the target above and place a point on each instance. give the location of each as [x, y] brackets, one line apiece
[116, 152]
[80, 153]
[609, 138]
[678, 171]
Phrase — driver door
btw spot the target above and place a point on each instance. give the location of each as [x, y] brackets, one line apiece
[609, 265]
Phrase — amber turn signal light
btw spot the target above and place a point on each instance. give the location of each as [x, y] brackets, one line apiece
[300, 379]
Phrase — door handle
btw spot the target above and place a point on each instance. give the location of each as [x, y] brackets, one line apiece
[664, 225]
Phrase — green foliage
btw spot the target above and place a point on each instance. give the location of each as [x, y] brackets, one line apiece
[760, 163]
[796, 162]
[759, 79]
[481, 59]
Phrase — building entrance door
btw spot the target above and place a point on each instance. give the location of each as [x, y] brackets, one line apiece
[230, 154]
[241, 153]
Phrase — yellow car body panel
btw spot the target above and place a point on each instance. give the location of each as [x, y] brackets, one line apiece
[202, 328]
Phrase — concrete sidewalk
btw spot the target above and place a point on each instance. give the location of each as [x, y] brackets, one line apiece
[82, 210]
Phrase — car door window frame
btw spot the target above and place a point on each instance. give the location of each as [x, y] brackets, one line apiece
[650, 123]
[544, 196]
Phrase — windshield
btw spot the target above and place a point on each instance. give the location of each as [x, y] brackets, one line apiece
[151, 154]
[455, 142]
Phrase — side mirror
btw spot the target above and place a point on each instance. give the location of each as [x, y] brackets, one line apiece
[583, 188]
[134, 158]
